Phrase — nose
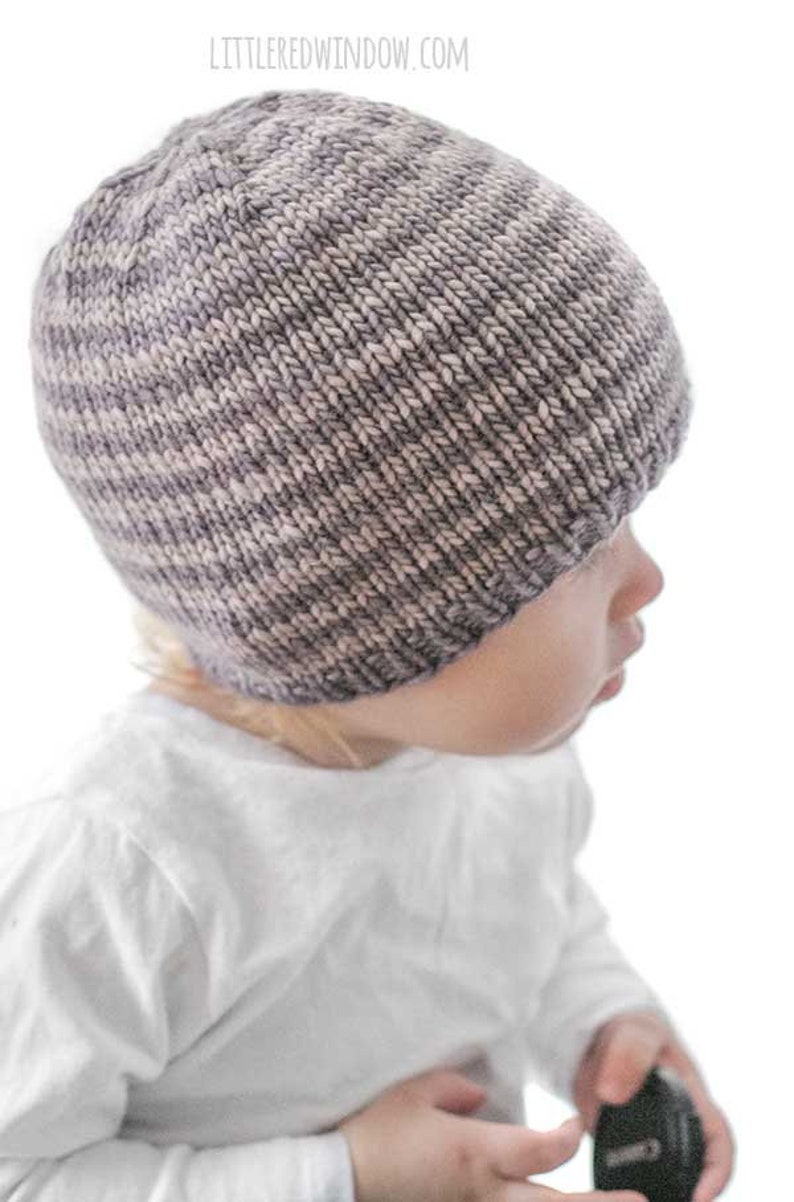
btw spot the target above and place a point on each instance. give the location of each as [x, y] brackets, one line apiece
[645, 575]
[655, 579]
[643, 584]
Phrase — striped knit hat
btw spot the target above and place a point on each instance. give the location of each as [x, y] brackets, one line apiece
[339, 388]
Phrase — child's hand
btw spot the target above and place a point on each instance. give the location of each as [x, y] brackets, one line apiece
[617, 1061]
[411, 1142]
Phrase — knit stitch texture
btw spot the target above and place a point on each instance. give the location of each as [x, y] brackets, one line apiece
[339, 388]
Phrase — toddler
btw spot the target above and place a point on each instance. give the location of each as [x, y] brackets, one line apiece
[359, 408]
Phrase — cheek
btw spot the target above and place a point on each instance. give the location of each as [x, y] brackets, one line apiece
[535, 677]
[547, 689]
[574, 663]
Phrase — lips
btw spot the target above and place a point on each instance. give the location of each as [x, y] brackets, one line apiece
[637, 641]
[615, 678]
[613, 685]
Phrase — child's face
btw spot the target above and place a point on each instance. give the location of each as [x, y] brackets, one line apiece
[529, 684]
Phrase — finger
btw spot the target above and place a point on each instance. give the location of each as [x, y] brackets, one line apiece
[526, 1191]
[720, 1146]
[719, 1157]
[674, 1055]
[624, 1060]
[515, 1152]
[534, 1191]
[612, 1195]
[599, 1195]
[445, 1089]
[710, 1185]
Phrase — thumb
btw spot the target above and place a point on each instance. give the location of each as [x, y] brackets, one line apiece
[519, 1151]
[447, 1090]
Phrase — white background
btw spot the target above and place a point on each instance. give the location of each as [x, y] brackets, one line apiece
[672, 121]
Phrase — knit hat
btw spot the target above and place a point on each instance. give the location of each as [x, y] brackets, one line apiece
[339, 388]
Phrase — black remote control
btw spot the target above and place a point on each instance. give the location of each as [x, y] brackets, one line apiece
[654, 1143]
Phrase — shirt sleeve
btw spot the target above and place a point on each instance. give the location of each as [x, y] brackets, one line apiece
[592, 980]
[104, 979]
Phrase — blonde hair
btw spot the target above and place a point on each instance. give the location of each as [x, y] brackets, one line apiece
[161, 655]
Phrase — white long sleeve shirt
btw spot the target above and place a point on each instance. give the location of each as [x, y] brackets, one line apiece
[212, 951]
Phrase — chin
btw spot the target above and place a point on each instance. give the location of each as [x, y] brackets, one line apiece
[556, 740]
